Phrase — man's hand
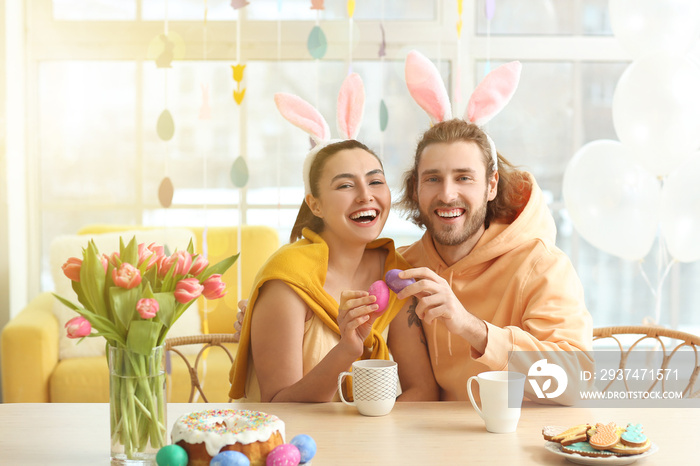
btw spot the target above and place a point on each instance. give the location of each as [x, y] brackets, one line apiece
[436, 300]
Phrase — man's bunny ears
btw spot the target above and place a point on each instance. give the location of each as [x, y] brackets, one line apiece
[490, 97]
[351, 104]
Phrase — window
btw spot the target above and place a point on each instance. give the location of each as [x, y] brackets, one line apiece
[99, 95]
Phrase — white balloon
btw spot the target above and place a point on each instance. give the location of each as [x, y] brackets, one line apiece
[656, 110]
[680, 211]
[613, 202]
[650, 26]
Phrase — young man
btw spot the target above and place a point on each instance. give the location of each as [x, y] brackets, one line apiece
[490, 280]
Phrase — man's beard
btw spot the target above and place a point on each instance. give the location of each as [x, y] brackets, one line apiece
[453, 235]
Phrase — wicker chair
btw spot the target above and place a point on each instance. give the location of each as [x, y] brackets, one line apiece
[671, 342]
[207, 341]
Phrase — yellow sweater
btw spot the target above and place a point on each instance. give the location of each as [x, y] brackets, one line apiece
[303, 265]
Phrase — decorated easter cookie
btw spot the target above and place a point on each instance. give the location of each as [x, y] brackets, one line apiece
[572, 435]
[550, 431]
[633, 436]
[585, 449]
[606, 436]
[622, 449]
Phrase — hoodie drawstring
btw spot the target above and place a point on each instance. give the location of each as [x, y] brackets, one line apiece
[449, 334]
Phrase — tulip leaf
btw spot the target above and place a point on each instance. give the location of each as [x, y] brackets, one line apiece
[92, 279]
[123, 303]
[219, 267]
[166, 308]
[130, 253]
[143, 336]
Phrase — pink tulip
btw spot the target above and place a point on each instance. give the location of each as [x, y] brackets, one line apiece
[71, 268]
[180, 260]
[187, 289]
[199, 263]
[114, 259]
[147, 308]
[126, 276]
[78, 327]
[214, 288]
[104, 259]
[151, 253]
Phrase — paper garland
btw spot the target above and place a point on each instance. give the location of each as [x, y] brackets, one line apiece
[383, 116]
[165, 192]
[239, 173]
[236, 4]
[317, 43]
[239, 92]
[204, 109]
[165, 127]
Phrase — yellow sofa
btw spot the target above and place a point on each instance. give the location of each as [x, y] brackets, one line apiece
[29, 354]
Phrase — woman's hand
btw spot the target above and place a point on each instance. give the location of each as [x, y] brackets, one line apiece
[240, 315]
[356, 315]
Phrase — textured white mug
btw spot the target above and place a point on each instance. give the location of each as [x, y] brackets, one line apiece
[374, 383]
[501, 394]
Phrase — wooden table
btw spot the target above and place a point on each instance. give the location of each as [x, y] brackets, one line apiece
[441, 433]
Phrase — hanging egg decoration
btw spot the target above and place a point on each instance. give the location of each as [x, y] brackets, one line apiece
[239, 172]
[383, 116]
[165, 127]
[317, 43]
[165, 192]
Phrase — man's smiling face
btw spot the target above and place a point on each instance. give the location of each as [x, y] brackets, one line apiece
[453, 191]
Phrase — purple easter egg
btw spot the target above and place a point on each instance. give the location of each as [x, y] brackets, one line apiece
[379, 290]
[395, 283]
[284, 455]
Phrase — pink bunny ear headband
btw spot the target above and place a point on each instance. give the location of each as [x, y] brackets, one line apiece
[490, 97]
[351, 104]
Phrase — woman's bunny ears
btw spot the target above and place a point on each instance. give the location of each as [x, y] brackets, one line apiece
[350, 110]
[490, 97]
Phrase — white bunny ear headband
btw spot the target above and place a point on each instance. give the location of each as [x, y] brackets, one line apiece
[351, 104]
[490, 97]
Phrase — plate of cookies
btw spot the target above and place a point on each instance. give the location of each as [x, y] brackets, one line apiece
[596, 444]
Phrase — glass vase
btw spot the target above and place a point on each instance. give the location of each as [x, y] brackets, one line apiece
[137, 405]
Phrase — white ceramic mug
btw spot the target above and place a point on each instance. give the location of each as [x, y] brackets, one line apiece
[501, 395]
[374, 384]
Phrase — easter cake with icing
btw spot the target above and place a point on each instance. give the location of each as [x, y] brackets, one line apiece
[203, 434]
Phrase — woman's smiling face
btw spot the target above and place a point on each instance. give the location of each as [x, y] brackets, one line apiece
[353, 197]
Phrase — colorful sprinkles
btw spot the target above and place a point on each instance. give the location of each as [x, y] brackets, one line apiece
[224, 421]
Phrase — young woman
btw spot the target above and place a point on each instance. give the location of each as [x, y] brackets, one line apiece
[309, 317]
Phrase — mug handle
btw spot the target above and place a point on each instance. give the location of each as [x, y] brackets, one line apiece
[471, 397]
[340, 388]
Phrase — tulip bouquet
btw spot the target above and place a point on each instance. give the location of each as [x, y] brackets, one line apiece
[132, 298]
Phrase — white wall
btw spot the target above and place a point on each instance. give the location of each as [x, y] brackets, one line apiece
[13, 189]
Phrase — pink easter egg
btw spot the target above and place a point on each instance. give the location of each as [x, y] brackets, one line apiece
[381, 292]
[284, 455]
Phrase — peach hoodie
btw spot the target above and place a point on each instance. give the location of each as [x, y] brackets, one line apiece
[521, 285]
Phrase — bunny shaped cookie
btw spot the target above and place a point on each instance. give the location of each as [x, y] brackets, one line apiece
[490, 97]
[350, 110]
